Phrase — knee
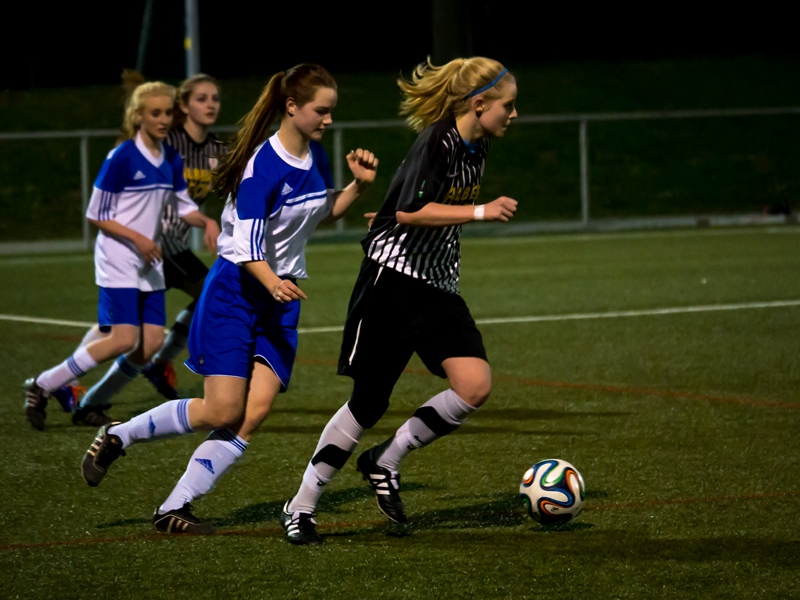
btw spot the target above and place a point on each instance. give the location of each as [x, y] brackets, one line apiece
[224, 417]
[473, 391]
[123, 343]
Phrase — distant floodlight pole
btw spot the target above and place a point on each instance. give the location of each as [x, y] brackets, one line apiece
[144, 36]
[191, 44]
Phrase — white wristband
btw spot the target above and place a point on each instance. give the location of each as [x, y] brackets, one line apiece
[479, 212]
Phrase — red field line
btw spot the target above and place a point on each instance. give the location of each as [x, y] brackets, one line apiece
[602, 388]
[263, 530]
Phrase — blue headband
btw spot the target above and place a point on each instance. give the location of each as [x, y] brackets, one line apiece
[486, 87]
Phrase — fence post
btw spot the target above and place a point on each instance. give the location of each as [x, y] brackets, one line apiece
[85, 190]
[584, 149]
[338, 169]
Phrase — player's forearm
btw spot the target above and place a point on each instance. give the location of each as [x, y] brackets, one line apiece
[196, 219]
[261, 270]
[438, 215]
[345, 199]
[117, 230]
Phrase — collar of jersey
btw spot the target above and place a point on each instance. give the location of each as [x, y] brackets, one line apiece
[156, 162]
[297, 163]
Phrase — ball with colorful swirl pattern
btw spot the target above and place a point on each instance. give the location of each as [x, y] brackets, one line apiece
[552, 491]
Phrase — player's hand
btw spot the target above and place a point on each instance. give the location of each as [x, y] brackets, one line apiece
[211, 235]
[501, 209]
[286, 291]
[149, 250]
[363, 165]
[371, 217]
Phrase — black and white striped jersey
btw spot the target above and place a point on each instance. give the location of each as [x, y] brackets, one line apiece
[198, 162]
[440, 168]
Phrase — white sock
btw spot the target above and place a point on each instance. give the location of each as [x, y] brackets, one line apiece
[208, 463]
[336, 444]
[119, 374]
[177, 338]
[74, 367]
[440, 415]
[166, 420]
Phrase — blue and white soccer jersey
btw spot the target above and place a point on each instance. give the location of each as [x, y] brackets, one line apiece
[280, 202]
[133, 188]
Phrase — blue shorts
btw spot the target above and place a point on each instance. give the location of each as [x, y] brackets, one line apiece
[130, 306]
[236, 320]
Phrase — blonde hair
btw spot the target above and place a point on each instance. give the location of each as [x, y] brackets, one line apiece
[300, 83]
[185, 93]
[137, 92]
[436, 92]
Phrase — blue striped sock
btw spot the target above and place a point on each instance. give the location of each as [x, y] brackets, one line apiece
[165, 420]
[208, 463]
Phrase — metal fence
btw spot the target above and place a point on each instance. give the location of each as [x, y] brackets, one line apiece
[338, 128]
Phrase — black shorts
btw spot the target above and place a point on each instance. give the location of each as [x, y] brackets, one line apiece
[183, 268]
[392, 315]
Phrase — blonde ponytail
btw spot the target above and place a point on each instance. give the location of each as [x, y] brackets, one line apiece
[254, 127]
[436, 92]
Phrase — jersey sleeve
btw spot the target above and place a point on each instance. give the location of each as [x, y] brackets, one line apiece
[425, 172]
[107, 187]
[254, 203]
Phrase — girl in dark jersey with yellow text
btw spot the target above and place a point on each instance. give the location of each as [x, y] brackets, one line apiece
[406, 298]
[196, 111]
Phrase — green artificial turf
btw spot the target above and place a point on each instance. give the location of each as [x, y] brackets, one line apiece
[683, 425]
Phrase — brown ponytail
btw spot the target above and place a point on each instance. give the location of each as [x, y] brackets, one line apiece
[299, 83]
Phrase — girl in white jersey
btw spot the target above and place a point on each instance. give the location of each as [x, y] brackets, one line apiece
[406, 298]
[243, 336]
[138, 178]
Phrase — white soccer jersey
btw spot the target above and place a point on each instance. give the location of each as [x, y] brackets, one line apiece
[280, 202]
[133, 188]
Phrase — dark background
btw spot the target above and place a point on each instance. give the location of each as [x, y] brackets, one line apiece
[86, 43]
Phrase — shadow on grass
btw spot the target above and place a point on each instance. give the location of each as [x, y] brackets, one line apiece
[504, 414]
[329, 502]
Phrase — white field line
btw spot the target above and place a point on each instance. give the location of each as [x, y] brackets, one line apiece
[504, 320]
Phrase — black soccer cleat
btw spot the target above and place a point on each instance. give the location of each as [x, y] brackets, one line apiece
[300, 527]
[181, 521]
[385, 484]
[105, 449]
[162, 376]
[92, 416]
[35, 403]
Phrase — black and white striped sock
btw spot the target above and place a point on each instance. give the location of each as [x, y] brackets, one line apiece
[336, 444]
[442, 414]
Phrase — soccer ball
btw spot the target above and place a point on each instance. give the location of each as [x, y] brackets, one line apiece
[552, 491]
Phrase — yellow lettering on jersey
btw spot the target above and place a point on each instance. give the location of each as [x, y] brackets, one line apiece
[476, 189]
[450, 196]
[464, 195]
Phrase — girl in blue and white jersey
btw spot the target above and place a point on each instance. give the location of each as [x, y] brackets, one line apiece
[243, 337]
[138, 179]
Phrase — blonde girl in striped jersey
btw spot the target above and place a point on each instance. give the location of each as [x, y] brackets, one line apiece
[406, 298]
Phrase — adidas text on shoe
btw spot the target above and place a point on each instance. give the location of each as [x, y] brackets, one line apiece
[35, 403]
[300, 527]
[162, 376]
[105, 449]
[181, 521]
[93, 416]
[385, 484]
